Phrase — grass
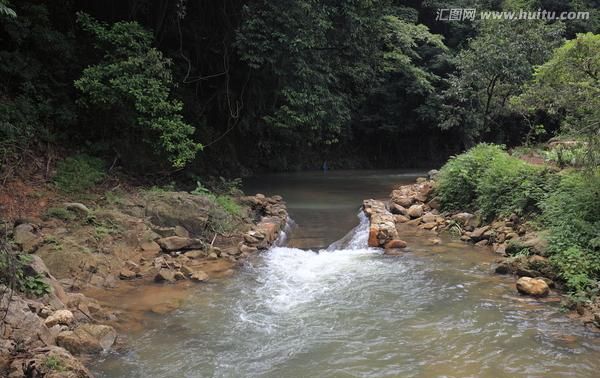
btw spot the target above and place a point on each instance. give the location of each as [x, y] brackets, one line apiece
[77, 173]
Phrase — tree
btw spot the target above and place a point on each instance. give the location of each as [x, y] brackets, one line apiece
[568, 85]
[132, 81]
[493, 68]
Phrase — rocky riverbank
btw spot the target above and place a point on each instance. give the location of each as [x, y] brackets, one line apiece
[91, 257]
[521, 250]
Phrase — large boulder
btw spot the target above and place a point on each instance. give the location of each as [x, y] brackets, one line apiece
[178, 243]
[533, 286]
[48, 362]
[61, 317]
[383, 227]
[171, 209]
[87, 339]
[415, 211]
[25, 237]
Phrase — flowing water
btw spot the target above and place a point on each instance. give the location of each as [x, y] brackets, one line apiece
[349, 311]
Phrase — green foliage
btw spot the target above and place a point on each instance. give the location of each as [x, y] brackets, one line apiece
[568, 85]
[572, 214]
[567, 155]
[229, 205]
[5, 10]
[132, 81]
[489, 180]
[13, 273]
[457, 180]
[493, 68]
[78, 173]
[54, 363]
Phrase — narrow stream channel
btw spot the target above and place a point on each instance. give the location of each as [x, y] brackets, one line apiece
[350, 311]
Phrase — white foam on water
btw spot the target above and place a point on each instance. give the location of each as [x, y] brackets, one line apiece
[291, 277]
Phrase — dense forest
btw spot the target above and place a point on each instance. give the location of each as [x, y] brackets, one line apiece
[233, 87]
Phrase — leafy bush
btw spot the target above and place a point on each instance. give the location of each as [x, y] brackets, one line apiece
[509, 185]
[572, 214]
[77, 173]
[457, 180]
[14, 275]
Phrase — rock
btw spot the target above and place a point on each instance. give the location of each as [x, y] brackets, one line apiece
[478, 232]
[243, 248]
[199, 276]
[420, 180]
[503, 268]
[151, 247]
[482, 243]
[536, 244]
[126, 274]
[466, 219]
[77, 207]
[428, 226]
[213, 256]
[181, 231]
[397, 209]
[177, 243]
[395, 244]
[26, 239]
[465, 238]
[532, 286]
[382, 226]
[500, 249]
[179, 276]
[35, 363]
[400, 198]
[432, 174]
[435, 241]
[415, 211]
[62, 317]
[195, 254]
[401, 219]
[165, 275]
[434, 203]
[429, 218]
[171, 209]
[87, 338]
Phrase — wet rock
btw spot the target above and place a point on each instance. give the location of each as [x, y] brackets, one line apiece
[393, 252]
[503, 268]
[482, 243]
[87, 339]
[429, 218]
[61, 317]
[177, 243]
[428, 226]
[243, 248]
[383, 227]
[199, 276]
[195, 254]
[395, 244]
[532, 286]
[415, 211]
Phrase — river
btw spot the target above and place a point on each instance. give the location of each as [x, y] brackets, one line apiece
[313, 309]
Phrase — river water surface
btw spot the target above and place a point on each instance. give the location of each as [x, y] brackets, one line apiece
[345, 310]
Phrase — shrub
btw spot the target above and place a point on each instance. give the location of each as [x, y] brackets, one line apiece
[509, 185]
[572, 214]
[78, 173]
[457, 180]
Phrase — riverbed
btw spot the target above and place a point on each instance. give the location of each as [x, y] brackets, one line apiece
[325, 305]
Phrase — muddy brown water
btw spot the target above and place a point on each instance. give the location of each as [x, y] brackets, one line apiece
[346, 310]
